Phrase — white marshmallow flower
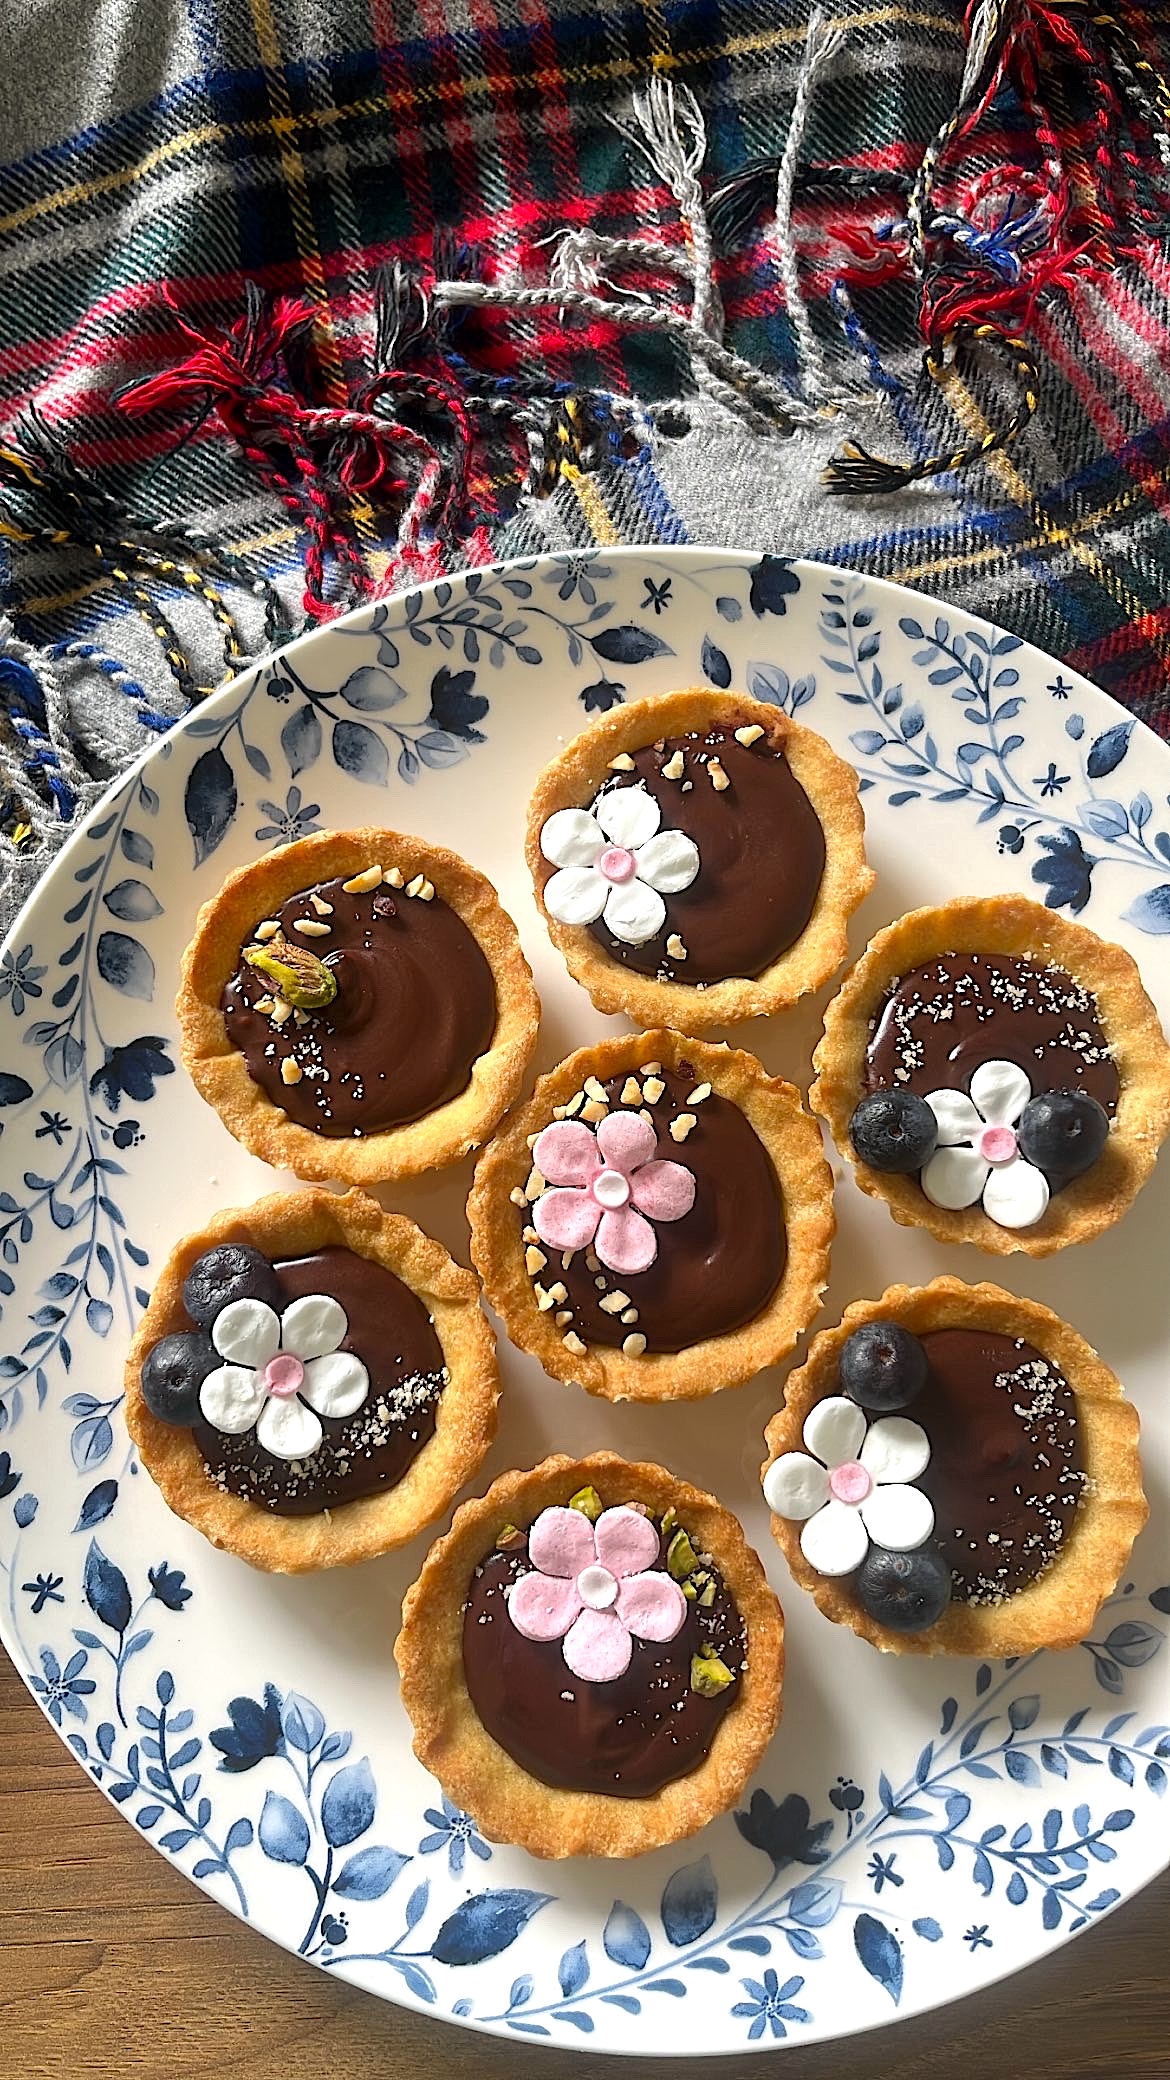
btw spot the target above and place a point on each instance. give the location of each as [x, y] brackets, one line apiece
[616, 862]
[854, 1487]
[283, 1372]
[978, 1155]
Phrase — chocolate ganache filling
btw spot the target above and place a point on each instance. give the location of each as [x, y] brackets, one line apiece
[761, 857]
[626, 1738]
[415, 1008]
[940, 1022]
[1005, 1474]
[391, 1332]
[718, 1266]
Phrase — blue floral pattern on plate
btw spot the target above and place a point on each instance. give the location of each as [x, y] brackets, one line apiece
[888, 1858]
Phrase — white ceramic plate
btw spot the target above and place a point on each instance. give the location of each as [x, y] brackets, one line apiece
[918, 1827]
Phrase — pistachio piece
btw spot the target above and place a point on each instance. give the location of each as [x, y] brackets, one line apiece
[668, 1521]
[681, 1557]
[709, 1675]
[509, 1535]
[706, 1596]
[301, 978]
[588, 1501]
[689, 1591]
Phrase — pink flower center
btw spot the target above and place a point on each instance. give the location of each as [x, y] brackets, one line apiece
[617, 863]
[997, 1144]
[850, 1482]
[611, 1190]
[282, 1375]
[597, 1588]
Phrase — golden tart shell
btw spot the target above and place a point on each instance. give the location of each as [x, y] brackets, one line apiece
[1006, 925]
[450, 1740]
[792, 1141]
[573, 779]
[1059, 1607]
[218, 1069]
[295, 1224]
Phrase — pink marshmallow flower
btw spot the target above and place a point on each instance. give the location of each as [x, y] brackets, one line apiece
[615, 1188]
[593, 1586]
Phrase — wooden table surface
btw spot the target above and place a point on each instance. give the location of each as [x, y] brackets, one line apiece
[113, 1964]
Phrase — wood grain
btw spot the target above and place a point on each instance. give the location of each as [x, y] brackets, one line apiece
[112, 1964]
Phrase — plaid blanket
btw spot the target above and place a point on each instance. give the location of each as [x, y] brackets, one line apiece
[304, 298]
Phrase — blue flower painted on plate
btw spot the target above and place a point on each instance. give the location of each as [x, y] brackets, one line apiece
[20, 979]
[977, 1938]
[881, 1872]
[55, 1124]
[46, 1588]
[1060, 688]
[454, 1831]
[63, 1689]
[770, 2005]
[295, 820]
[1051, 782]
[656, 595]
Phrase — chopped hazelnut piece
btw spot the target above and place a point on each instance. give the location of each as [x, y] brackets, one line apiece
[631, 1091]
[675, 766]
[613, 1303]
[544, 1300]
[681, 1127]
[265, 1005]
[518, 1197]
[594, 1089]
[629, 1316]
[290, 1070]
[267, 930]
[563, 1317]
[623, 763]
[534, 1260]
[558, 1293]
[361, 884]
[594, 1111]
[574, 1105]
[322, 908]
[393, 877]
[311, 927]
[717, 776]
[573, 1343]
[701, 1091]
[652, 1089]
[535, 1184]
[634, 1345]
[750, 734]
[281, 1012]
[675, 948]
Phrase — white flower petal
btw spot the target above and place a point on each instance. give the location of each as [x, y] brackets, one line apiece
[1016, 1194]
[313, 1325]
[668, 862]
[231, 1398]
[572, 838]
[576, 895]
[1001, 1091]
[796, 1486]
[954, 1177]
[834, 1429]
[835, 1541]
[287, 1428]
[336, 1384]
[898, 1518]
[633, 912]
[628, 816]
[956, 1116]
[247, 1332]
[895, 1450]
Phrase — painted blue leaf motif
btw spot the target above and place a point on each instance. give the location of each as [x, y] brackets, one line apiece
[577, 2016]
[1050, 1911]
[573, 1970]
[727, 608]
[1105, 818]
[1017, 1890]
[1133, 1644]
[416, 1905]
[867, 741]
[803, 1942]
[361, 754]
[63, 1059]
[628, 644]
[1150, 911]
[1108, 750]
[928, 1928]
[125, 965]
[438, 749]
[133, 902]
[209, 802]
[137, 849]
[99, 1315]
[1021, 1768]
[302, 1722]
[625, 1937]
[283, 1831]
[91, 1441]
[521, 1990]
[369, 1874]
[239, 1836]
[671, 1986]
[1022, 1711]
[97, 1505]
[300, 739]
[347, 1808]
[486, 1924]
[715, 664]
[880, 1953]
[371, 690]
[690, 1900]
[624, 2001]
[815, 1902]
[768, 682]
[106, 1590]
[14, 1090]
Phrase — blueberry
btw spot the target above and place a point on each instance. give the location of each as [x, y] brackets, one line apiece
[906, 1591]
[894, 1130]
[1062, 1132]
[173, 1373]
[230, 1272]
[883, 1367]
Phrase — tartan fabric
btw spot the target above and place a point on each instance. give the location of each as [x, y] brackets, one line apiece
[198, 146]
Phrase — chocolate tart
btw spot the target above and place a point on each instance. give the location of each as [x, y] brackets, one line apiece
[729, 876]
[1017, 1455]
[429, 1025]
[627, 1713]
[690, 1167]
[314, 1325]
[997, 1000]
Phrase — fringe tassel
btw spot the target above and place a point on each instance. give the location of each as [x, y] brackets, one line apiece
[858, 473]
